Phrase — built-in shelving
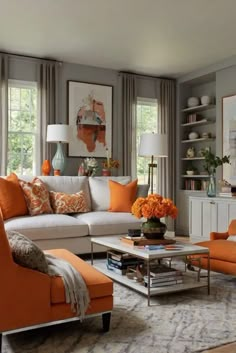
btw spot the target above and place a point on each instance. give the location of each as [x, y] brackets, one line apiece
[199, 108]
[195, 176]
[200, 139]
[199, 122]
[192, 159]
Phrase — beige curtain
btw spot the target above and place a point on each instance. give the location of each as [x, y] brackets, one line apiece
[3, 112]
[48, 103]
[128, 106]
[167, 125]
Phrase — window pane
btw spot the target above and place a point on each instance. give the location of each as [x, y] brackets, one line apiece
[146, 122]
[22, 123]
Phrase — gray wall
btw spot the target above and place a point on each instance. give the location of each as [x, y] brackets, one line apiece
[21, 68]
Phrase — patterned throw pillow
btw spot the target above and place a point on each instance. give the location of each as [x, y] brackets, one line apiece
[68, 203]
[26, 253]
[37, 196]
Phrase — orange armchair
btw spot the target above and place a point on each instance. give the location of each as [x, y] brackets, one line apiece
[29, 297]
[222, 251]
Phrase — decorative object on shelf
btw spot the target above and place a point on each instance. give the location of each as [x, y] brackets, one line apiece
[153, 207]
[81, 169]
[58, 133]
[211, 163]
[205, 135]
[109, 164]
[190, 152]
[224, 186]
[203, 150]
[90, 114]
[229, 136]
[193, 102]
[152, 145]
[193, 135]
[191, 170]
[46, 167]
[90, 167]
[205, 100]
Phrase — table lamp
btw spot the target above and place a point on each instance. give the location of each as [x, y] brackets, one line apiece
[152, 145]
[58, 133]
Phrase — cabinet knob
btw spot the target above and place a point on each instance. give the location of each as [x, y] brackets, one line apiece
[212, 202]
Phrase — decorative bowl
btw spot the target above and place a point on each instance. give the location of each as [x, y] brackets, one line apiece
[205, 100]
[190, 172]
[193, 102]
[193, 135]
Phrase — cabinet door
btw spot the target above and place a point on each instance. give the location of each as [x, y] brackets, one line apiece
[223, 215]
[209, 218]
[195, 219]
[232, 212]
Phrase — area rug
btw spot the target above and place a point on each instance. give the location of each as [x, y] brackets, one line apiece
[183, 322]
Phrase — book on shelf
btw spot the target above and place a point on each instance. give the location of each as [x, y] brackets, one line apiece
[164, 284]
[122, 265]
[154, 280]
[116, 270]
[164, 271]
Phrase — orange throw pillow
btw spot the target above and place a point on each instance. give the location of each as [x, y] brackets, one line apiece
[12, 201]
[122, 197]
[68, 203]
[37, 197]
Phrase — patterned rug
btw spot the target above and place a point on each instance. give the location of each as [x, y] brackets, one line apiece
[184, 322]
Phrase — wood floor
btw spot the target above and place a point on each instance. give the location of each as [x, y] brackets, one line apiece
[228, 348]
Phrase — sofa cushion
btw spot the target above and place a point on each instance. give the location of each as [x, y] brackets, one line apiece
[97, 283]
[100, 192]
[67, 184]
[122, 197]
[221, 249]
[37, 196]
[12, 200]
[63, 203]
[109, 223]
[53, 226]
[26, 253]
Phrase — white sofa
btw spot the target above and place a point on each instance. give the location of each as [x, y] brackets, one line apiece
[73, 232]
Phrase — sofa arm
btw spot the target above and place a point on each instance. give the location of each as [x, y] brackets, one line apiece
[217, 236]
[24, 298]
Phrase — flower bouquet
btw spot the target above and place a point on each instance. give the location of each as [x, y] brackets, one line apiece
[153, 207]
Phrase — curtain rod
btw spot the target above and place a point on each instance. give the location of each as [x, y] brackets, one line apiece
[29, 56]
[145, 76]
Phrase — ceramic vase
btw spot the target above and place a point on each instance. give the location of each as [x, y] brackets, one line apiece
[211, 188]
[153, 228]
[106, 172]
[46, 167]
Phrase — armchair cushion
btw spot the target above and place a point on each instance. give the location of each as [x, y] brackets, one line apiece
[26, 253]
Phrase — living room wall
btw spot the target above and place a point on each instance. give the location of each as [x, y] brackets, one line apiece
[21, 68]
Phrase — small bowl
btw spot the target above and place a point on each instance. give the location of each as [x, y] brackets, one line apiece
[189, 172]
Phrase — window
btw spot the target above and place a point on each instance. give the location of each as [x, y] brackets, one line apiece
[22, 127]
[146, 122]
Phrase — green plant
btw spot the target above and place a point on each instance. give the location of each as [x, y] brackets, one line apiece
[212, 161]
[190, 166]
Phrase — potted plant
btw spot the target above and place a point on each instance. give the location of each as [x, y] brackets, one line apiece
[191, 170]
[210, 164]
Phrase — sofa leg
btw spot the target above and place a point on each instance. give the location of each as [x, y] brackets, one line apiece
[0, 342]
[106, 318]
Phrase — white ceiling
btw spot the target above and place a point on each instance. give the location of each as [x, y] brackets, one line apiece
[156, 37]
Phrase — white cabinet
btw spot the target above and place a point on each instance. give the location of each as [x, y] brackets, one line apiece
[209, 215]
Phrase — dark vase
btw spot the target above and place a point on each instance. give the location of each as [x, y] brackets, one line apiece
[153, 228]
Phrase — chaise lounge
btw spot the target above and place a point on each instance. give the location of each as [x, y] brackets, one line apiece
[29, 297]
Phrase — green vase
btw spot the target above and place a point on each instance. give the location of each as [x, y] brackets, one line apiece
[153, 228]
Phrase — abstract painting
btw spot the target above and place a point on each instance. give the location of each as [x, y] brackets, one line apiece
[90, 119]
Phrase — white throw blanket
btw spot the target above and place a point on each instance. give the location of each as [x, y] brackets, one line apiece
[75, 288]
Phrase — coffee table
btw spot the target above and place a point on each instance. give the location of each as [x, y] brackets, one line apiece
[190, 279]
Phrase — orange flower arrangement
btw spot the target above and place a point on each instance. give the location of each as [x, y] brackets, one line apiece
[154, 206]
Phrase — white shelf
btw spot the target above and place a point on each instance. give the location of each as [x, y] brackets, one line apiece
[190, 281]
[192, 159]
[199, 108]
[195, 176]
[201, 139]
[200, 122]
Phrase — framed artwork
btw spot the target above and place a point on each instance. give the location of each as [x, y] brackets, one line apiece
[229, 137]
[90, 119]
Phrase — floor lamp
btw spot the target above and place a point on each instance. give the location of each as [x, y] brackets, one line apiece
[152, 145]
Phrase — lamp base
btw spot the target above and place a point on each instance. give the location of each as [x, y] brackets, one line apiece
[58, 161]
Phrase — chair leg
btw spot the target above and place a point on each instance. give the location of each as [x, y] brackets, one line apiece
[106, 318]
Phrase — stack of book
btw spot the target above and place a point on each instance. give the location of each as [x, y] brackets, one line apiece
[119, 262]
[163, 275]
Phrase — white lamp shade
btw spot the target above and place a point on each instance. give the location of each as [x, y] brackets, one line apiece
[153, 145]
[58, 133]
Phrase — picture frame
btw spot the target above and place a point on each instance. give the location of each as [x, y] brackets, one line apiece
[90, 108]
[229, 137]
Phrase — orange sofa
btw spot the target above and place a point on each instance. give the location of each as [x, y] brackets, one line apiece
[222, 251]
[30, 297]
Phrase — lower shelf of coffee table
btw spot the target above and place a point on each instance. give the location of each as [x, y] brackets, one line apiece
[189, 281]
